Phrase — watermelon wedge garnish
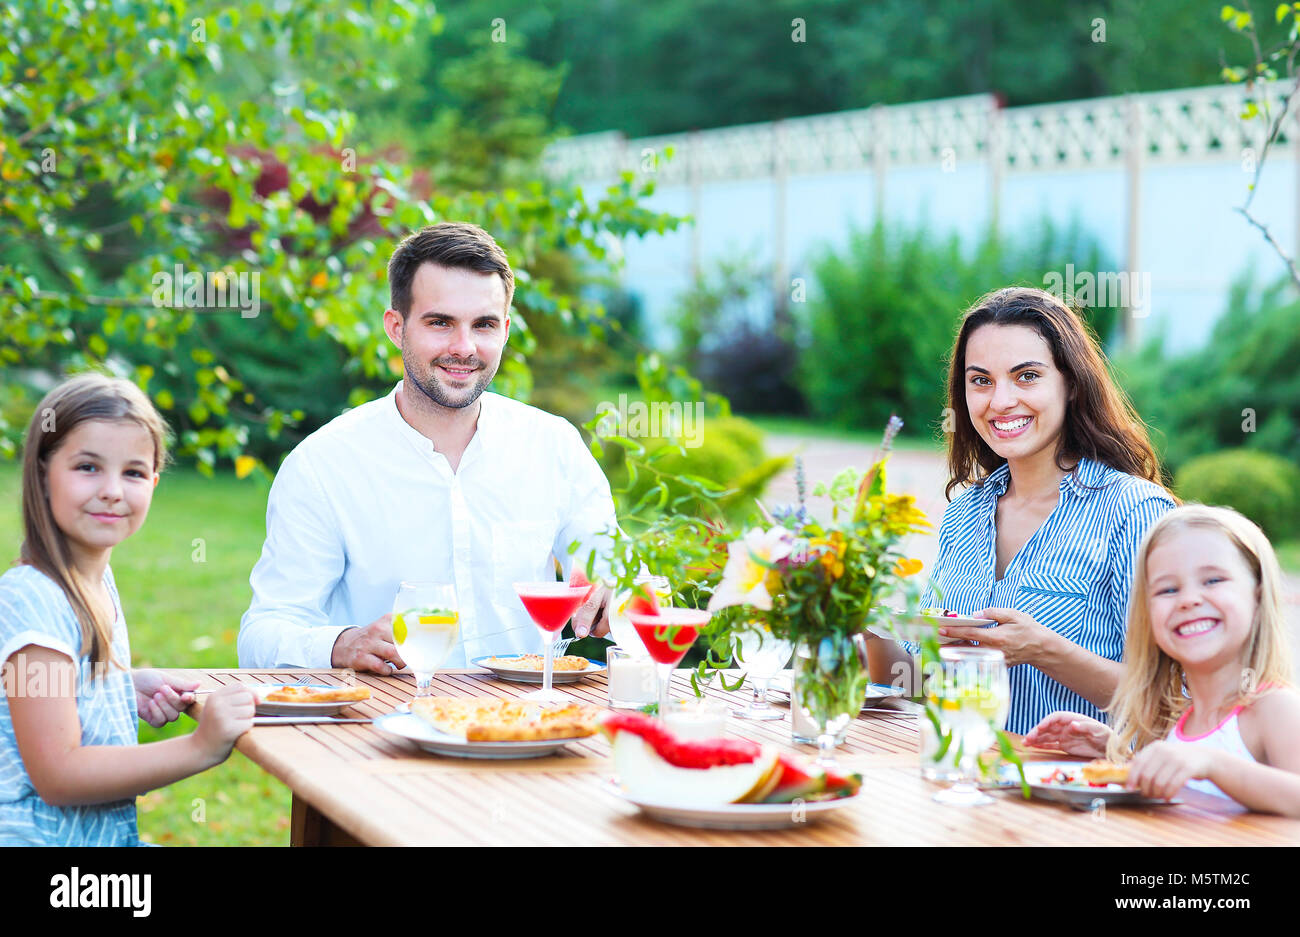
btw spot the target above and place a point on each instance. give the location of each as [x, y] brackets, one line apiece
[643, 602]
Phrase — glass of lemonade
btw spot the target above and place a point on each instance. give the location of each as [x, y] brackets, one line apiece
[426, 626]
[973, 696]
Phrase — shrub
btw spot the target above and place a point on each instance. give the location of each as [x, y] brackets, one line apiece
[1242, 387]
[729, 334]
[730, 454]
[1262, 486]
[882, 322]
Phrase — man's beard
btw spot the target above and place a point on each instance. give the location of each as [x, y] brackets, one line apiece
[429, 385]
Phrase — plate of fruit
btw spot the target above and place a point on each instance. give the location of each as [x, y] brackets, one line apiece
[914, 628]
[721, 783]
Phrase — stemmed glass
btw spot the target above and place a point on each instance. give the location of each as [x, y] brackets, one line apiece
[974, 697]
[668, 634]
[426, 626]
[763, 656]
[550, 605]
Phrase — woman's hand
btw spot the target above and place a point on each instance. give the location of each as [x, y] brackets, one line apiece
[160, 696]
[1070, 733]
[1162, 768]
[1020, 639]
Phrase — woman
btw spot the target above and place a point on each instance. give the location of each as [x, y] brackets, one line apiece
[1063, 483]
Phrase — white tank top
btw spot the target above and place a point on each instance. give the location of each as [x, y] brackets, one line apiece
[1225, 737]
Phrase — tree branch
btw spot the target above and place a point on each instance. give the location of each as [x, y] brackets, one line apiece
[1268, 236]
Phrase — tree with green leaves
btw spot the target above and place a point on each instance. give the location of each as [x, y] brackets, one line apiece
[162, 220]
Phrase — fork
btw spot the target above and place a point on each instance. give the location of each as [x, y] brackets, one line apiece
[562, 645]
[301, 681]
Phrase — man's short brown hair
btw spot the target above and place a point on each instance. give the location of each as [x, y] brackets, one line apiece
[455, 244]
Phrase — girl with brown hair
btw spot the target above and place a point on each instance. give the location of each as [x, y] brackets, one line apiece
[70, 765]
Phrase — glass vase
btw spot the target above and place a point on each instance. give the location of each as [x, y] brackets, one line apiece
[830, 683]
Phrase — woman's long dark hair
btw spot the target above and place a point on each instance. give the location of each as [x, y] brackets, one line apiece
[1100, 422]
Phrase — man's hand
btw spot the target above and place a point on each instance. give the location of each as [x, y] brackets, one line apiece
[370, 648]
[592, 616]
[160, 696]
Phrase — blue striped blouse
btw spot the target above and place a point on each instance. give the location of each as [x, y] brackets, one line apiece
[34, 610]
[1072, 576]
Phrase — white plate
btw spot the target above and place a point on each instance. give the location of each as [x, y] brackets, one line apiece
[535, 676]
[735, 816]
[1081, 795]
[876, 692]
[916, 627]
[407, 725]
[265, 708]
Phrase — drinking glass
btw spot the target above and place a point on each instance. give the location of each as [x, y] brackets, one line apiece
[426, 626]
[667, 636]
[550, 605]
[973, 695]
[763, 656]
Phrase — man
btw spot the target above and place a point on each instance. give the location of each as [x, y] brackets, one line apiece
[438, 481]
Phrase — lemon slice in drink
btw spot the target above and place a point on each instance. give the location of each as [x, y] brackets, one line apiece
[441, 618]
[399, 629]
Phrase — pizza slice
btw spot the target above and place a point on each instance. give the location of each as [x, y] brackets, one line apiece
[1104, 772]
[315, 694]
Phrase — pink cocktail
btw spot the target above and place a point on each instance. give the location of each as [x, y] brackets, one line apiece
[550, 605]
[667, 637]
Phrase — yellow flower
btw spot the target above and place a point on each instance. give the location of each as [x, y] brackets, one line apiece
[907, 567]
[830, 553]
[244, 466]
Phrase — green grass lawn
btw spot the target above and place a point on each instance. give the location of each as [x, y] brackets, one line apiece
[183, 579]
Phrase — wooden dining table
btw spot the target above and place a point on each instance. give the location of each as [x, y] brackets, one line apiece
[355, 785]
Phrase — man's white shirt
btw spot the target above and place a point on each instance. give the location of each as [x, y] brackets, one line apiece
[366, 502]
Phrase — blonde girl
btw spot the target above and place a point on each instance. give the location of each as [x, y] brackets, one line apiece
[1206, 699]
[70, 765]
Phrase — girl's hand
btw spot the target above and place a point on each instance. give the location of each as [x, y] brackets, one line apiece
[160, 696]
[1162, 768]
[1021, 639]
[1070, 733]
[226, 716]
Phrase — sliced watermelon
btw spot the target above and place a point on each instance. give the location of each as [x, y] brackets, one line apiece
[841, 785]
[682, 753]
[797, 780]
[643, 602]
[578, 577]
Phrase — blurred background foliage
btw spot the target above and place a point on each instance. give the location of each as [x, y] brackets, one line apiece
[142, 136]
[690, 64]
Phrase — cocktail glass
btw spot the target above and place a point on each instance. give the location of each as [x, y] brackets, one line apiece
[762, 656]
[426, 626]
[551, 605]
[667, 636]
[973, 693]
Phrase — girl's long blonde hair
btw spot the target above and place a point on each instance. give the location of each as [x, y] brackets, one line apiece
[1150, 699]
[45, 546]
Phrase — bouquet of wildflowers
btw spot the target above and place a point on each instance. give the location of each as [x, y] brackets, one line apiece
[806, 580]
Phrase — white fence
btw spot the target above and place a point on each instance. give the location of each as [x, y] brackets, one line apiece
[1155, 176]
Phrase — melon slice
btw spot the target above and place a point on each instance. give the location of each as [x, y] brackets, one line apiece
[644, 774]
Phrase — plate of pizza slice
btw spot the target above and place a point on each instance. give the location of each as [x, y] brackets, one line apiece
[479, 727]
[527, 668]
[313, 699]
[1079, 784]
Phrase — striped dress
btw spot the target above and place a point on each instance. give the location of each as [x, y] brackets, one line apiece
[1072, 576]
[34, 610]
